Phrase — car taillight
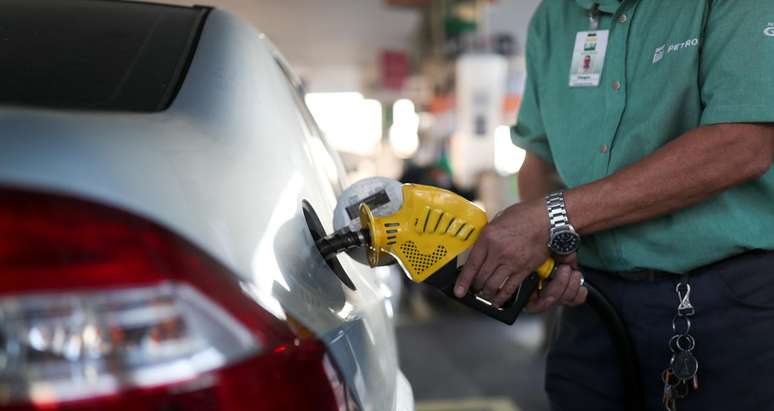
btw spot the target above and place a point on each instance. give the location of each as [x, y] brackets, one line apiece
[103, 310]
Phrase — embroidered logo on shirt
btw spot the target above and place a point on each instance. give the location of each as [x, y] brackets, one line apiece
[659, 54]
[769, 31]
[664, 50]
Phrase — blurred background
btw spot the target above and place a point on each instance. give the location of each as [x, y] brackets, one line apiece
[425, 91]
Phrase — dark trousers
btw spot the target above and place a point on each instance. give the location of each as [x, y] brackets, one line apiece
[733, 327]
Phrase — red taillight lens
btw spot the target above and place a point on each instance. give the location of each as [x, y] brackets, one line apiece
[100, 309]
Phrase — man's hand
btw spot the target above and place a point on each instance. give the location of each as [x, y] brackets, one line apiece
[510, 248]
[565, 287]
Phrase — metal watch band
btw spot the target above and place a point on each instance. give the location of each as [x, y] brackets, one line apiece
[557, 213]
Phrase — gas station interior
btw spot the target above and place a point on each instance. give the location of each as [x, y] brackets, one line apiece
[314, 205]
[424, 91]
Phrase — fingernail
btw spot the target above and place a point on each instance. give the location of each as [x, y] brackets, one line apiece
[550, 300]
[459, 291]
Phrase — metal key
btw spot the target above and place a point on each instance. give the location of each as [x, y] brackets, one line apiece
[668, 398]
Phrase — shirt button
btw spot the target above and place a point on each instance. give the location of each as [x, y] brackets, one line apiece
[622, 18]
[617, 85]
[604, 149]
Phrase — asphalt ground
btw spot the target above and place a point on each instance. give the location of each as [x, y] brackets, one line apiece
[459, 360]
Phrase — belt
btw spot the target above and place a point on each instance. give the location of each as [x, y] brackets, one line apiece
[656, 275]
[644, 275]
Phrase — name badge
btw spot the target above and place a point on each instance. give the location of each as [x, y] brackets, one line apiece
[588, 58]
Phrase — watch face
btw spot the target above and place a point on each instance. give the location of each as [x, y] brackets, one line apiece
[565, 243]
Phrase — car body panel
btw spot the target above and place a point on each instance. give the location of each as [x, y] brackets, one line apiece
[216, 169]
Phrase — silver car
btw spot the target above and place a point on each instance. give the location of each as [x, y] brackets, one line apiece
[161, 187]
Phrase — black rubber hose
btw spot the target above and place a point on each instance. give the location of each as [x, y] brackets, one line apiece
[338, 242]
[627, 355]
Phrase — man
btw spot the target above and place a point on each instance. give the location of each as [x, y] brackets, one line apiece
[664, 149]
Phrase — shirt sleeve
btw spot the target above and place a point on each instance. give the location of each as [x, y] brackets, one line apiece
[529, 132]
[737, 63]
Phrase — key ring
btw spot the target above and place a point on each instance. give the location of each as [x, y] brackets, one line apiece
[682, 343]
[687, 324]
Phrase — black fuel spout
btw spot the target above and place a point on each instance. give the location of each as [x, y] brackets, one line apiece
[342, 241]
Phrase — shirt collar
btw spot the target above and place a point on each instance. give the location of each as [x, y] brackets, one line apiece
[607, 6]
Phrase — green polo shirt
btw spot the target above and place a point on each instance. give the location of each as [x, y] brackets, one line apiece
[671, 66]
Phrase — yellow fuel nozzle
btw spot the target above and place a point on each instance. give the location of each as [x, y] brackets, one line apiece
[426, 234]
[432, 227]
[373, 250]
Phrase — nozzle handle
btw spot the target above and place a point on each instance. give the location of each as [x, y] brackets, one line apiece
[512, 308]
[446, 277]
[516, 304]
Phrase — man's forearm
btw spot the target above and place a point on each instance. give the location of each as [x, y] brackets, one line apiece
[701, 163]
[537, 178]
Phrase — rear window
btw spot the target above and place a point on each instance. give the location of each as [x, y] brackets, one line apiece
[95, 55]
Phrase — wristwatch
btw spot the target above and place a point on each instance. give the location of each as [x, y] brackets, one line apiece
[562, 237]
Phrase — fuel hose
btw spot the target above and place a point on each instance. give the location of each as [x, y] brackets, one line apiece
[635, 399]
